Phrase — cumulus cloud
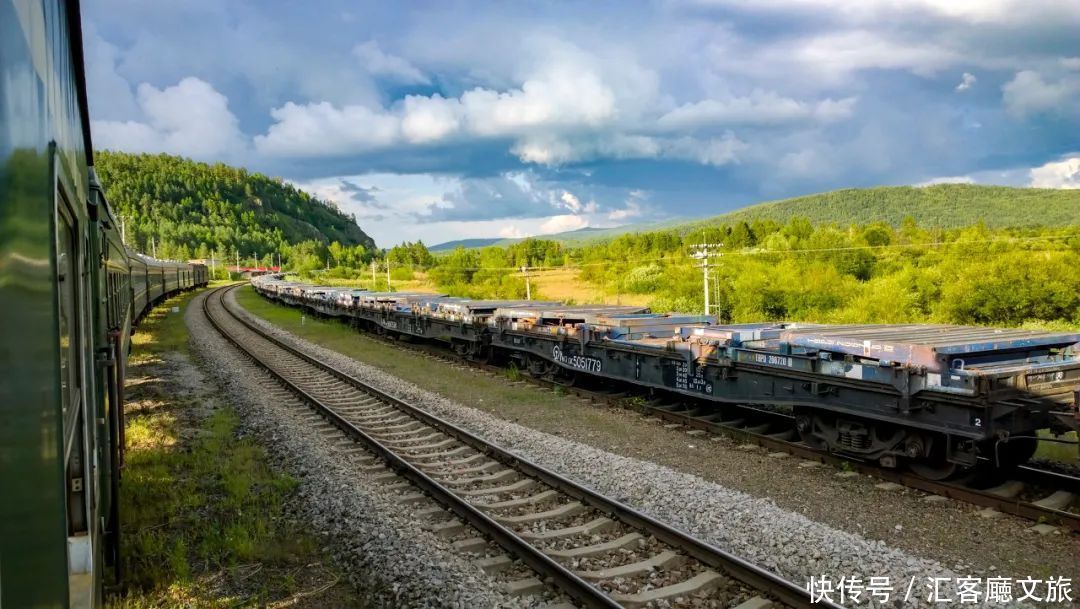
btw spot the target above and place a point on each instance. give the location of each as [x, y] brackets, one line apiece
[1029, 92]
[1057, 174]
[321, 129]
[563, 223]
[967, 81]
[190, 118]
[561, 94]
[379, 63]
[563, 112]
[947, 180]
[759, 108]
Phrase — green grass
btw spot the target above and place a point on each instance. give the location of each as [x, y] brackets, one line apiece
[203, 512]
[1053, 451]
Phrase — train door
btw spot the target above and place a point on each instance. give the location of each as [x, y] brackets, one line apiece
[71, 277]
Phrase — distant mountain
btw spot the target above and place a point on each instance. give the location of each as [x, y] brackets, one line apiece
[183, 208]
[465, 243]
[942, 206]
[574, 237]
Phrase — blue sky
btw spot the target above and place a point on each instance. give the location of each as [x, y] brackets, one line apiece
[445, 120]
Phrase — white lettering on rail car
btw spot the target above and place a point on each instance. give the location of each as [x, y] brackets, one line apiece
[581, 362]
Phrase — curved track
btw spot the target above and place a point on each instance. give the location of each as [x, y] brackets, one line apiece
[572, 537]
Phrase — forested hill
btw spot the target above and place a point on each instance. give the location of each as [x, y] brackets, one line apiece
[940, 206]
[192, 209]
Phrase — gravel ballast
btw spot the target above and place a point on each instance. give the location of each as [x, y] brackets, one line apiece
[755, 529]
[386, 553]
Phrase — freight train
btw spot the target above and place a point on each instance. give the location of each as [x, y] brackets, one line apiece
[70, 293]
[938, 399]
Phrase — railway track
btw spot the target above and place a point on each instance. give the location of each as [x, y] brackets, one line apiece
[1041, 495]
[597, 551]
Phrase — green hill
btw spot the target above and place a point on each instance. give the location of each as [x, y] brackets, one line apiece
[940, 206]
[188, 209]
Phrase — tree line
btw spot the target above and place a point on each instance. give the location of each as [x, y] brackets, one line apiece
[796, 270]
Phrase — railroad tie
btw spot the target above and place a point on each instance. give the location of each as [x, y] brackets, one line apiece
[530, 500]
[498, 490]
[700, 583]
[593, 526]
[667, 558]
[598, 549]
[1057, 501]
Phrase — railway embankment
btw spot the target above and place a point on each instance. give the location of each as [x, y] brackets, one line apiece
[208, 520]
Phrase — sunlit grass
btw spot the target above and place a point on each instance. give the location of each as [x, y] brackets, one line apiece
[1055, 451]
[203, 512]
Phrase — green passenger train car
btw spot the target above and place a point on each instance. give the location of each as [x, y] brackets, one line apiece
[70, 292]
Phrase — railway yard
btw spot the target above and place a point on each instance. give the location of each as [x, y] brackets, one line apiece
[434, 481]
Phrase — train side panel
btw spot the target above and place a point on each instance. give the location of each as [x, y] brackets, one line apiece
[47, 519]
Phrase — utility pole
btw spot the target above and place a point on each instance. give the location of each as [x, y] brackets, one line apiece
[153, 246]
[528, 286]
[702, 252]
[388, 288]
[213, 269]
[237, 262]
[123, 230]
[373, 274]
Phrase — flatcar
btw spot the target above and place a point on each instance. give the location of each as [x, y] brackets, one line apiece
[939, 399]
[70, 294]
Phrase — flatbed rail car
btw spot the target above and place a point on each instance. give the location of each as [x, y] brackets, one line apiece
[936, 397]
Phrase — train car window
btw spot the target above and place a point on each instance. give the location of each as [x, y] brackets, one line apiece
[67, 276]
[70, 320]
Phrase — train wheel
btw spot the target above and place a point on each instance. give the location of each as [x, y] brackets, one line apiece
[934, 465]
[806, 425]
[536, 367]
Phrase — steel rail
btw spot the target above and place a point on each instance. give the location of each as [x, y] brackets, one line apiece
[564, 579]
[1016, 507]
[748, 573]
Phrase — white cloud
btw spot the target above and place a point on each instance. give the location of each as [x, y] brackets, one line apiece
[512, 231]
[1029, 92]
[1057, 174]
[428, 119]
[947, 180]
[971, 11]
[564, 94]
[843, 52]
[715, 151]
[379, 63]
[967, 81]
[759, 108]
[563, 223]
[190, 118]
[321, 129]
[1070, 63]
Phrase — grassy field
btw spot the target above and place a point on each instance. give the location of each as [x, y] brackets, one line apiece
[565, 285]
[560, 284]
[203, 513]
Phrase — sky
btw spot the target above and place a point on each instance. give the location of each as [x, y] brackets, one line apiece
[448, 120]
